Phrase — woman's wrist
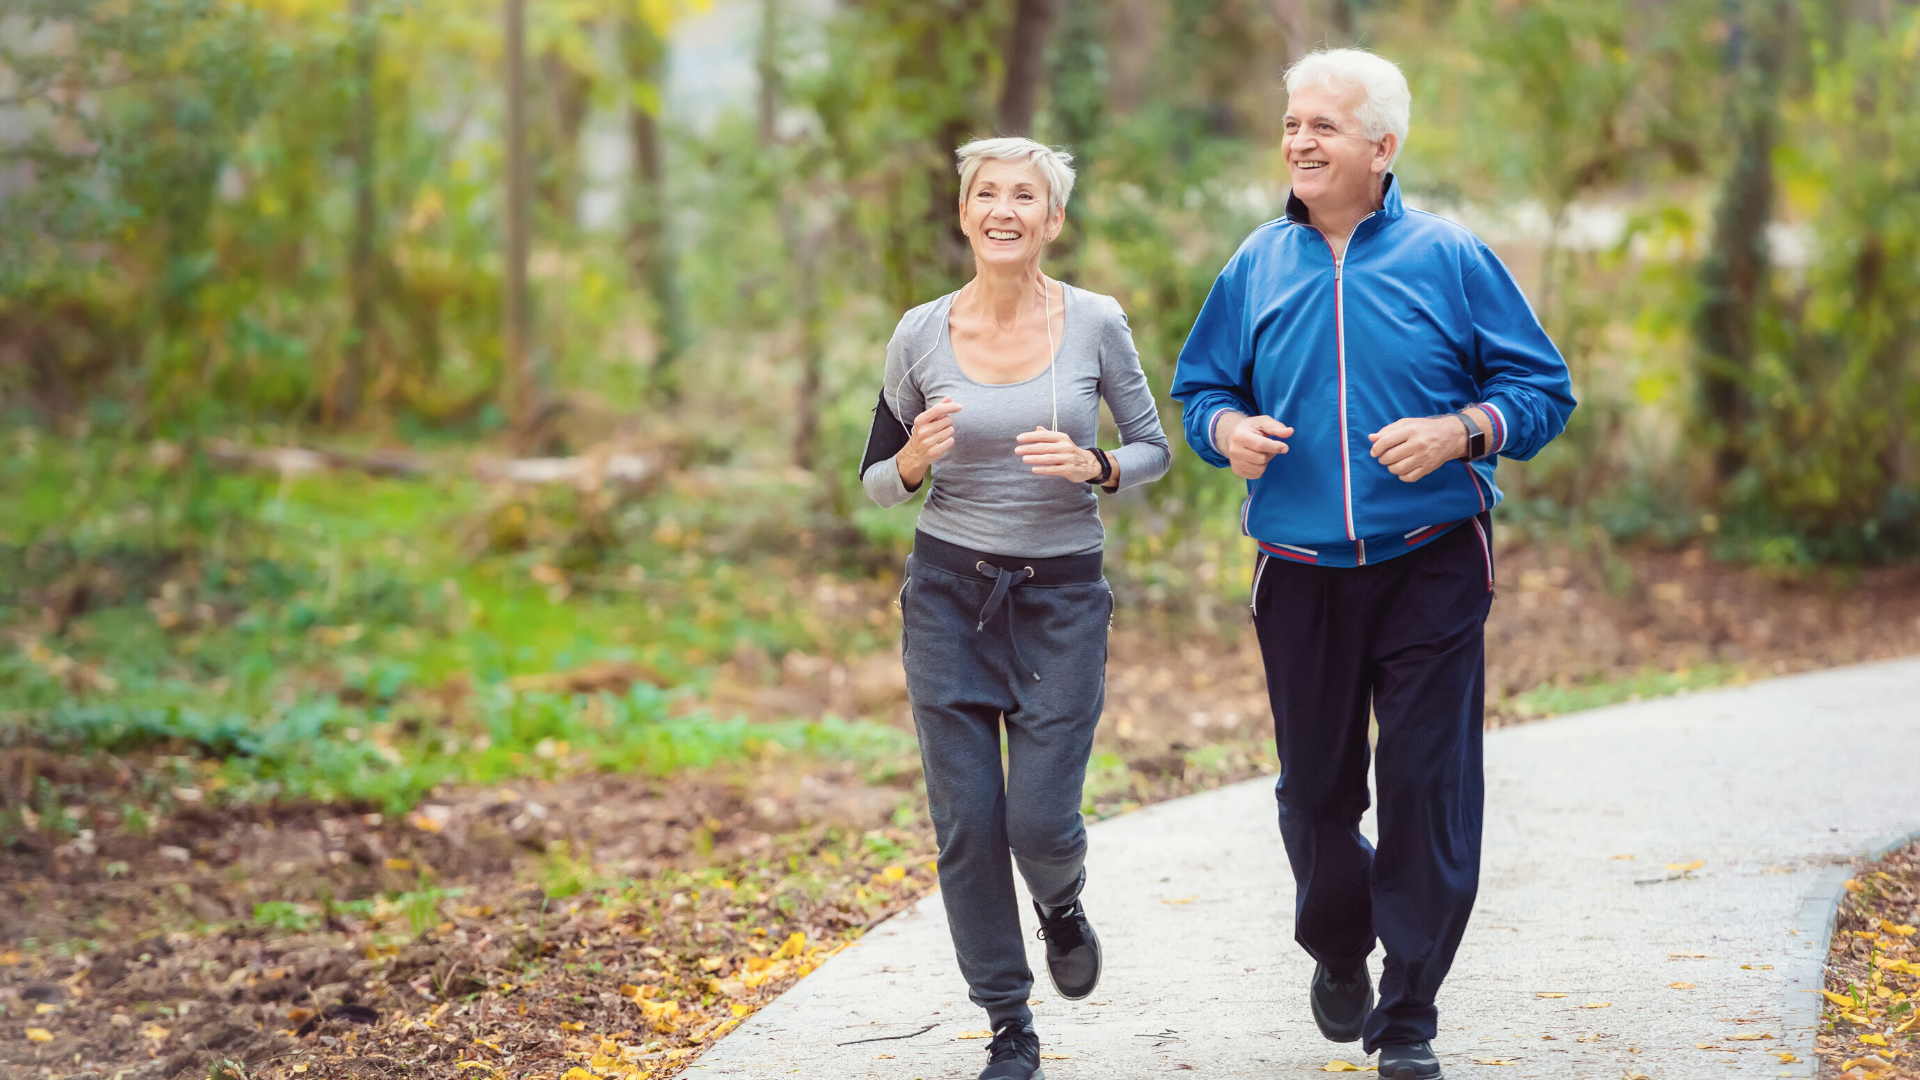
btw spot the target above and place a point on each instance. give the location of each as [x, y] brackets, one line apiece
[1090, 465]
[911, 469]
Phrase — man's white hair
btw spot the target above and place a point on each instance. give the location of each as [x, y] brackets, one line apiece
[1054, 166]
[1389, 103]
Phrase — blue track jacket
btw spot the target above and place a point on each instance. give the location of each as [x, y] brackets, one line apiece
[1418, 318]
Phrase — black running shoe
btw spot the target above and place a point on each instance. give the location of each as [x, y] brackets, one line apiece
[1340, 1006]
[1014, 1053]
[1411, 1062]
[1073, 950]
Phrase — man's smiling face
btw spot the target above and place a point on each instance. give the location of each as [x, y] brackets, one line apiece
[1329, 157]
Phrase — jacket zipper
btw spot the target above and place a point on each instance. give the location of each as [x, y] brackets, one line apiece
[1340, 351]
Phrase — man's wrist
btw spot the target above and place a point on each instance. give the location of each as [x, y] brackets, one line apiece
[1224, 423]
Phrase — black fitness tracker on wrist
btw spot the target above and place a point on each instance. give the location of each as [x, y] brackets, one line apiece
[1106, 466]
[1476, 439]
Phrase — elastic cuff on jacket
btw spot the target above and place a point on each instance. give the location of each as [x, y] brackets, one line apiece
[1499, 426]
[1213, 429]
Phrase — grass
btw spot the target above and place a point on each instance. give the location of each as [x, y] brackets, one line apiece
[1550, 700]
[343, 636]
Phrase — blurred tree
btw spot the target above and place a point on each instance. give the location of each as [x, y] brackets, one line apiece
[1025, 61]
[1735, 273]
[521, 384]
[1075, 117]
[643, 42]
[347, 390]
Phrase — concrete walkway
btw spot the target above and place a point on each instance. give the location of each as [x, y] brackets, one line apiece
[1765, 785]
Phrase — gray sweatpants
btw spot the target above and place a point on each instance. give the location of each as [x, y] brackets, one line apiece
[1035, 655]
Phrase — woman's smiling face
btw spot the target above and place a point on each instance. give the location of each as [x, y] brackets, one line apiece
[1005, 213]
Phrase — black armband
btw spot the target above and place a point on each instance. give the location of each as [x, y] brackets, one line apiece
[886, 437]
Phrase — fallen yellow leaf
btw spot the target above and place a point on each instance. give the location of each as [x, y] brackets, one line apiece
[473, 1065]
[1495, 1061]
[399, 864]
[1681, 985]
[1634, 1075]
[39, 1035]
[578, 1073]
[1686, 868]
[1336, 1065]
[1598, 1005]
[43, 1009]
[1852, 885]
[1751, 1036]
[1056, 1057]
[1686, 954]
[1787, 1058]
[11, 959]
[1874, 1039]
[1912, 1020]
[1841, 1000]
[629, 990]
[572, 1025]
[739, 1010]
[1621, 858]
[974, 1035]
[1895, 928]
[883, 1057]
[1706, 1046]
[1183, 900]
[1549, 995]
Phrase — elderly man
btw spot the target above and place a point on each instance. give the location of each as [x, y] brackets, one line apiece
[1361, 365]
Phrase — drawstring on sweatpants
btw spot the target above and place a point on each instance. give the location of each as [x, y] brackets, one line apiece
[1004, 580]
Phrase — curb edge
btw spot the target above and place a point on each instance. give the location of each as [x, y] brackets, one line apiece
[1806, 972]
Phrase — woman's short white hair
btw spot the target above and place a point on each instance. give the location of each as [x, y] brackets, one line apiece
[1389, 103]
[1054, 166]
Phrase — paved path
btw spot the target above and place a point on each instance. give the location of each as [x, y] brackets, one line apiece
[1767, 784]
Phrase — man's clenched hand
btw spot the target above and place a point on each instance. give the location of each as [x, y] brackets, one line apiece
[1250, 442]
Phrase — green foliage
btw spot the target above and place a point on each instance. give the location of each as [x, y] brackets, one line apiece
[1551, 700]
[1835, 391]
[285, 916]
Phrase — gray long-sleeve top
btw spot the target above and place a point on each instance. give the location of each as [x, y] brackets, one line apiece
[984, 496]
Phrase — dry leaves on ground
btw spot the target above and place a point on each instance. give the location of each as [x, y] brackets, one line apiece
[1871, 1024]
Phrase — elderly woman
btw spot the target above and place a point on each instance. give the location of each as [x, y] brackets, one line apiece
[992, 396]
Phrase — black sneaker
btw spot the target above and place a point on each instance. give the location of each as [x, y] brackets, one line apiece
[1014, 1053]
[1411, 1062]
[1340, 1006]
[1073, 950]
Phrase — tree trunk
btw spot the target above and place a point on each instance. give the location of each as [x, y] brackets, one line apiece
[1296, 22]
[1076, 110]
[806, 253]
[767, 66]
[1025, 59]
[360, 266]
[1735, 273]
[517, 340]
[648, 243]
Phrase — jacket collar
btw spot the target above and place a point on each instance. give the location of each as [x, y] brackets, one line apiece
[1391, 207]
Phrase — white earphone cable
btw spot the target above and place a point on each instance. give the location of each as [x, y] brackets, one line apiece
[1053, 379]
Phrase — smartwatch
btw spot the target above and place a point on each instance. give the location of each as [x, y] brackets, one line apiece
[1476, 439]
[1106, 467]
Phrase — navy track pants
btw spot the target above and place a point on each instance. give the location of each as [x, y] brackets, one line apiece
[1402, 639]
